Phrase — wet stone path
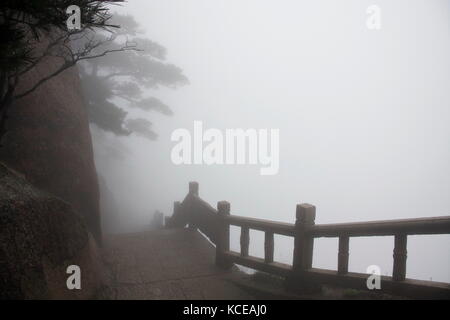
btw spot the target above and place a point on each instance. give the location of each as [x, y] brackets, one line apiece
[167, 264]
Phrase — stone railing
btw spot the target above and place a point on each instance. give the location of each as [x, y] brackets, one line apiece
[215, 224]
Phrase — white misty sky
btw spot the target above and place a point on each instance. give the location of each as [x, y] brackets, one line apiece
[363, 117]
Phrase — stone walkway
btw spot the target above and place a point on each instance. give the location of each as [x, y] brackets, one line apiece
[167, 264]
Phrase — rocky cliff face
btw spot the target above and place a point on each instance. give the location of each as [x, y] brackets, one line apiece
[40, 236]
[48, 140]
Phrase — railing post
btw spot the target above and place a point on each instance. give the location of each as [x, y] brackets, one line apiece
[303, 244]
[223, 237]
[400, 255]
[171, 222]
[303, 251]
[193, 190]
[245, 241]
[343, 254]
[268, 247]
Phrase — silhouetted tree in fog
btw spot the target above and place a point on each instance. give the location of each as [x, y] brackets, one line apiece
[32, 30]
[117, 83]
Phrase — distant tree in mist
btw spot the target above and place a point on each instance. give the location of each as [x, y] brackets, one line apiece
[115, 84]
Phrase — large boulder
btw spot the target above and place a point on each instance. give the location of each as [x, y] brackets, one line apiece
[40, 236]
[48, 140]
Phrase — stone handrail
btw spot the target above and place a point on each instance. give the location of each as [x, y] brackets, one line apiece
[215, 224]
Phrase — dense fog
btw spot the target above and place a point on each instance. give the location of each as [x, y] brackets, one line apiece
[363, 118]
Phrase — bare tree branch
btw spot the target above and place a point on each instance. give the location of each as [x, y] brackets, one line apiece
[73, 58]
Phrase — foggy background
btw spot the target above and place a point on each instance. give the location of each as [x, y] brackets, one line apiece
[363, 117]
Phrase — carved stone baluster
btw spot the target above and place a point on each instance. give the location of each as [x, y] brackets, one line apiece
[268, 247]
[400, 254]
[245, 241]
[343, 255]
